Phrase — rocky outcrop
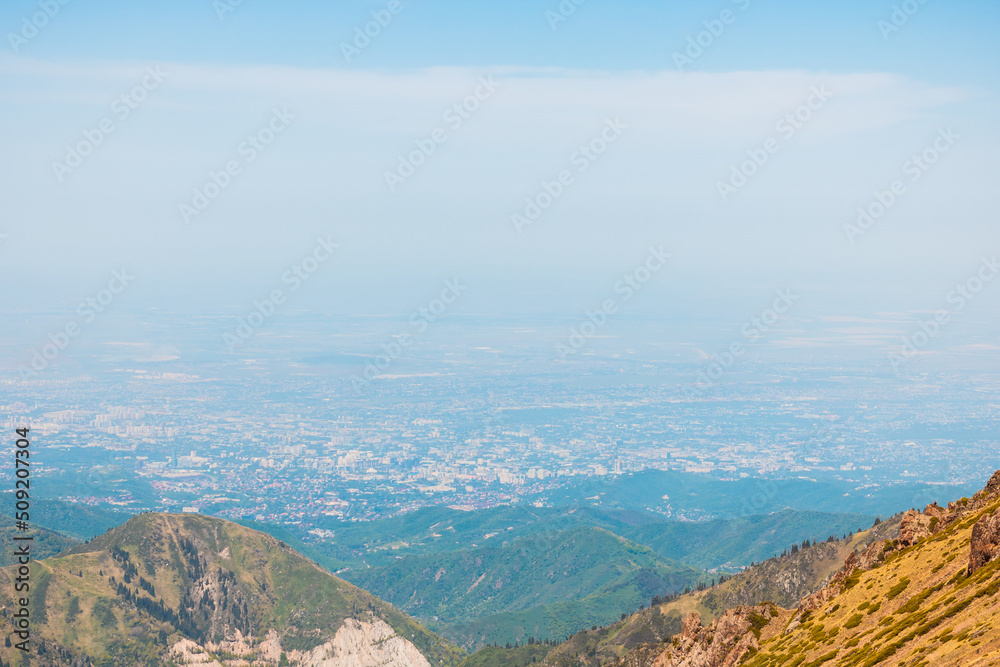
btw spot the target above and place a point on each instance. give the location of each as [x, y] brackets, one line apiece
[935, 510]
[872, 556]
[985, 542]
[918, 525]
[187, 652]
[992, 488]
[863, 560]
[961, 508]
[915, 526]
[362, 644]
[738, 634]
[724, 643]
[371, 643]
[691, 626]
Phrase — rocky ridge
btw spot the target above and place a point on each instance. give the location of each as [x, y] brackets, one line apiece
[940, 601]
[188, 589]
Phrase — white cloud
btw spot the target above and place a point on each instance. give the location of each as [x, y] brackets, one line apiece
[326, 171]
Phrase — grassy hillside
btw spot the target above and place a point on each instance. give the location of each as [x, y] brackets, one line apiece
[559, 620]
[282, 534]
[785, 579]
[544, 587]
[81, 522]
[917, 607]
[134, 592]
[522, 574]
[496, 656]
[436, 530]
[734, 543]
[46, 542]
[709, 544]
[930, 597]
[428, 562]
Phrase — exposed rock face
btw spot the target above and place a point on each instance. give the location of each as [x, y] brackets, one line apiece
[738, 634]
[187, 652]
[865, 560]
[992, 487]
[914, 526]
[362, 644]
[371, 643]
[935, 510]
[873, 555]
[985, 541]
[692, 625]
[724, 643]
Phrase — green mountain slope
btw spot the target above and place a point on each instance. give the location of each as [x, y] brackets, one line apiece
[592, 575]
[521, 574]
[920, 590]
[707, 544]
[734, 543]
[45, 543]
[498, 656]
[162, 587]
[81, 522]
[783, 579]
[928, 598]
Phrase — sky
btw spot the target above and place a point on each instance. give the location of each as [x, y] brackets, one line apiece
[745, 158]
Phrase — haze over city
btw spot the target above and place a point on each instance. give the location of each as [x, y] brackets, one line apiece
[528, 334]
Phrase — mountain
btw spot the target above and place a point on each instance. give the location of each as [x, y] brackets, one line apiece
[699, 496]
[784, 579]
[930, 596]
[546, 586]
[921, 589]
[575, 567]
[80, 522]
[734, 543]
[46, 542]
[168, 589]
[722, 543]
[927, 598]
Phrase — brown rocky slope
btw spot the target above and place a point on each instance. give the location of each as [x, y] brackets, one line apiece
[929, 597]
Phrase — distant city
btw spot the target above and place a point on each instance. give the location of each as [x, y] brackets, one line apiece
[287, 437]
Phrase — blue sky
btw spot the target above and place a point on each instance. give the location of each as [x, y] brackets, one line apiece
[556, 91]
[953, 42]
